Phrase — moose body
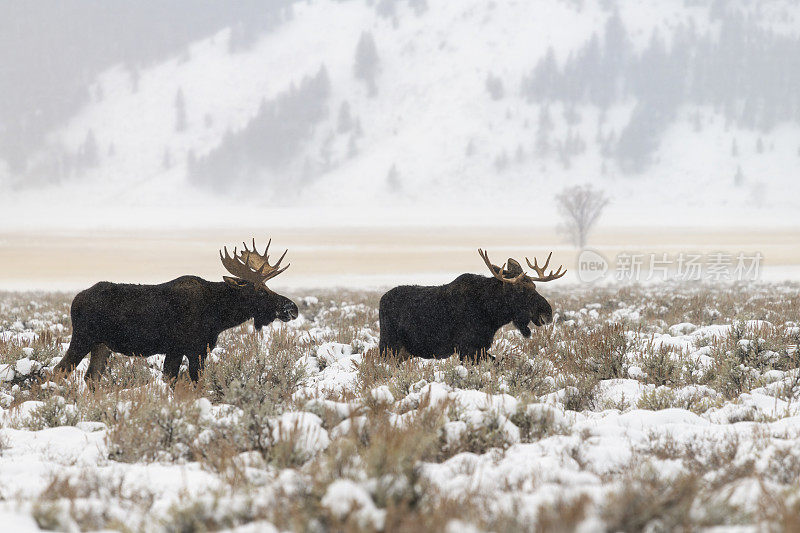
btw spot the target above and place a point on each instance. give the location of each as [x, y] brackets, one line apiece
[463, 315]
[182, 317]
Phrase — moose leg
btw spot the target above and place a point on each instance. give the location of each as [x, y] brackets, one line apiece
[97, 363]
[194, 367]
[389, 344]
[471, 353]
[78, 348]
[482, 353]
[387, 351]
[172, 364]
[389, 347]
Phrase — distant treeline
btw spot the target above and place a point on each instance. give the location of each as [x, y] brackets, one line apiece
[748, 73]
[270, 141]
[51, 52]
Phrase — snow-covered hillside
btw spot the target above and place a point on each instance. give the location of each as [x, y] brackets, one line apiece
[433, 104]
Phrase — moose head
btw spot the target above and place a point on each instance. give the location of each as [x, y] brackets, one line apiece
[252, 270]
[517, 292]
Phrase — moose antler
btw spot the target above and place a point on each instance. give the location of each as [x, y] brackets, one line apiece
[498, 271]
[540, 271]
[251, 266]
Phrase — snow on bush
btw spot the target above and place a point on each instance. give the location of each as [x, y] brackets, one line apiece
[635, 410]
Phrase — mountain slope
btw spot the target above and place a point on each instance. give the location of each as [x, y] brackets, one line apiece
[454, 106]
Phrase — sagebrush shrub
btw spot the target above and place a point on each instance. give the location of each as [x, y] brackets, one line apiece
[54, 412]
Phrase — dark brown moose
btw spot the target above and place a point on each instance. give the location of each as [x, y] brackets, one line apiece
[182, 317]
[463, 315]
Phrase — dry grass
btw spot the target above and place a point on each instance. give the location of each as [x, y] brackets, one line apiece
[647, 500]
[227, 424]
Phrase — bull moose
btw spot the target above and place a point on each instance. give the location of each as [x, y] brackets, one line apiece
[182, 317]
[463, 315]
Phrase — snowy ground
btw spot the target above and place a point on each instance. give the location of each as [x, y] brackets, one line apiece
[651, 408]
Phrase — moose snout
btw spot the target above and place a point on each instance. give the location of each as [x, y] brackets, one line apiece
[544, 318]
[289, 312]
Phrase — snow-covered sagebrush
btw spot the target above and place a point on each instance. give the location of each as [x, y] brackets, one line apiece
[640, 408]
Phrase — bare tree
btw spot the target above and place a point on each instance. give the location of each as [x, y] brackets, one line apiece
[580, 207]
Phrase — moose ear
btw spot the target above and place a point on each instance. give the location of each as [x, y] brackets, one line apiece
[236, 283]
[513, 267]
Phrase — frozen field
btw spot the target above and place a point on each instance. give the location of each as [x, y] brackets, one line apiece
[656, 408]
[355, 256]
